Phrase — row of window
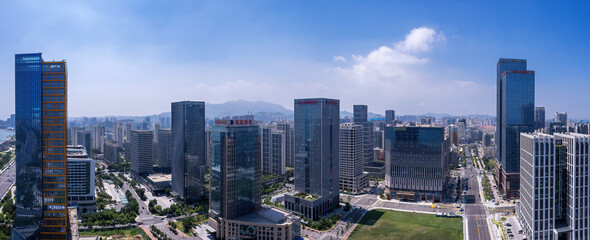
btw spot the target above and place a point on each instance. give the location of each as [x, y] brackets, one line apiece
[54, 179]
[54, 149]
[54, 186]
[54, 222]
[54, 164]
[53, 171]
[54, 113]
[53, 76]
[53, 106]
[54, 91]
[53, 136]
[54, 193]
[54, 200]
[53, 158]
[54, 215]
[53, 98]
[54, 128]
[51, 84]
[53, 67]
[54, 208]
[47, 143]
[53, 121]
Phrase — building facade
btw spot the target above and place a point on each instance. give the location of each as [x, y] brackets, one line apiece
[111, 152]
[81, 176]
[539, 117]
[41, 140]
[189, 156]
[141, 152]
[353, 179]
[164, 148]
[317, 127]
[389, 116]
[561, 117]
[416, 162]
[287, 128]
[515, 114]
[554, 198]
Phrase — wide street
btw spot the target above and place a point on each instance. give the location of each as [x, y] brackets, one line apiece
[475, 214]
[7, 178]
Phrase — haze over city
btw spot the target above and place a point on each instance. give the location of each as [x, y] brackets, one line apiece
[133, 58]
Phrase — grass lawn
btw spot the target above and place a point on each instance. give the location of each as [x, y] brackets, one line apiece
[383, 224]
[129, 232]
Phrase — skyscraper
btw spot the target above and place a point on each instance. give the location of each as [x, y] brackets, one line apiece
[287, 128]
[165, 148]
[539, 117]
[360, 118]
[273, 146]
[141, 152]
[554, 186]
[416, 162]
[317, 130]
[352, 159]
[561, 117]
[235, 169]
[235, 196]
[41, 132]
[389, 116]
[515, 114]
[81, 174]
[189, 156]
[98, 138]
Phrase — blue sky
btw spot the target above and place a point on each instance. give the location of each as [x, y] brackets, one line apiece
[135, 57]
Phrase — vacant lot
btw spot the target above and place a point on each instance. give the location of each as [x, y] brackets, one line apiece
[383, 224]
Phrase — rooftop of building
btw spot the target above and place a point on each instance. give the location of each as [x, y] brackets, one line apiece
[267, 215]
[77, 151]
[159, 177]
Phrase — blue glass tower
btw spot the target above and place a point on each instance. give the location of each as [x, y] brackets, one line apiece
[236, 169]
[317, 142]
[515, 114]
[41, 176]
[189, 162]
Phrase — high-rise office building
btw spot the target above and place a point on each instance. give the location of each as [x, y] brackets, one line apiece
[317, 127]
[461, 126]
[84, 138]
[273, 146]
[165, 148]
[287, 128]
[111, 152]
[141, 152]
[235, 169]
[98, 138]
[554, 186]
[81, 174]
[352, 159]
[416, 162]
[360, 118]
[515, 114]
[539, 117]
[41, 135]
[235, 196]
[561, 117]
[389, 116]
[189, 156]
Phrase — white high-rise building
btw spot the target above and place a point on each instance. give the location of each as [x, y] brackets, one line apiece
[555, 192]
[352, 160]
[141, 151]
[98, 138]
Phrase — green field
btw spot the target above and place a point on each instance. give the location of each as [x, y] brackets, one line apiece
[383, 224]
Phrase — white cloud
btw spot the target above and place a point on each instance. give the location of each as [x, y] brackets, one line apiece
[403, 77]
[339, 59]
[420, 40]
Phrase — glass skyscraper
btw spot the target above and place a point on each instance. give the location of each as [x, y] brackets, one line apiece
[236, 169]
[317, 127]
[515, 114]
[41, 131]
[189, 154]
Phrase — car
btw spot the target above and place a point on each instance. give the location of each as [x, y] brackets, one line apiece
[520, 232]
[508, 224]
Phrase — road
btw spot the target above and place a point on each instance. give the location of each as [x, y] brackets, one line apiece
[7, 178]
[475, 213]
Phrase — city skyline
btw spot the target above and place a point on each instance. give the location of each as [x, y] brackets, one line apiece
[412, 61]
